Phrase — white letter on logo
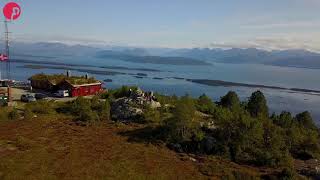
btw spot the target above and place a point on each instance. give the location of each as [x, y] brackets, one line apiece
[15, 11]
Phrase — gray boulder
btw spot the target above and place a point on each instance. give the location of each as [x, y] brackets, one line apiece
[310, 168]
[124, 109]
[130, 109]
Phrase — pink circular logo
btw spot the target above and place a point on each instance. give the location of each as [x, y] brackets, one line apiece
[12, 11]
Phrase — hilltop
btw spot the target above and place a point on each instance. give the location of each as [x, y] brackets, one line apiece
[57, 148]
[127, 133]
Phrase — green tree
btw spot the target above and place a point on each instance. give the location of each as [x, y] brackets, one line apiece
[205, 104]
[239, 133]
[275, 151]
[230, 101]
[182, 125]
[257, 105]
[303, 142]
[284, 120]
[306, 120]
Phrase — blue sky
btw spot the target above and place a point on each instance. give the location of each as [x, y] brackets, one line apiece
[270, 24]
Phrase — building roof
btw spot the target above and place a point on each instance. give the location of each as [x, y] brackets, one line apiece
[58, 78]
[81, 85]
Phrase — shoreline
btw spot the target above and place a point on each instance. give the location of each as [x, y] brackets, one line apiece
[235, 84]
[207, 82]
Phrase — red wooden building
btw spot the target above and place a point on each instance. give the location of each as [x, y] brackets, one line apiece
[81, 89]
[76, 86]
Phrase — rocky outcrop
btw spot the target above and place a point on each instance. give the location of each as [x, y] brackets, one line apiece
[124, 109]
[310, 168]
[130, 109]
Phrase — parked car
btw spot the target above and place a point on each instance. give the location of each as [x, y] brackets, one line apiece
[28, 98]
[3, 100]
[40, 96]
[62, 93]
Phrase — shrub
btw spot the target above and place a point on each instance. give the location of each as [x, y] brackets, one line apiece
[3, 114]
[240, 175]
[79, 105]
[86, 110]
[28, 114]
[164, 100]
[106, 95]
[82, 109]
[87, 115]
[41, 107]
[14, 114]
[95, 102]
[151, 115]
[104, 111]
[101, 107]
[124, 91]
[287, 174]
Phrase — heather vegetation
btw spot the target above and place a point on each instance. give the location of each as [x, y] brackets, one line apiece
[242, 132]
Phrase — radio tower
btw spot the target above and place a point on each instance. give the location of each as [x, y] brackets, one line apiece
[7, 51]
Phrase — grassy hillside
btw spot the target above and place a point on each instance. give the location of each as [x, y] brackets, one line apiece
[57, 148]
[185, 138]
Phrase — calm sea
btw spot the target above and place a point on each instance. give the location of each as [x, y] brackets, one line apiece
[278, 100]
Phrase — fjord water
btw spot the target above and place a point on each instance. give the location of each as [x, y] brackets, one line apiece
[171, 83]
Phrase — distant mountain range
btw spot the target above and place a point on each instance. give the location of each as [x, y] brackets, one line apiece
[292, 58]
[196, 56]
[140, 56]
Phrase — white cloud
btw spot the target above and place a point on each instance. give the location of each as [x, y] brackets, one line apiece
[309, 42]
[293, 24]
[57, 38]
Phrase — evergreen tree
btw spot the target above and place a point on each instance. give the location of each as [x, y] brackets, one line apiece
[230, 101]
[284, 120]
[205, 104]
[257, 105]
[182, 125]
[306, 120]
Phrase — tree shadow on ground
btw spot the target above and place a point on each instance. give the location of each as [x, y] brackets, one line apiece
[154, 135]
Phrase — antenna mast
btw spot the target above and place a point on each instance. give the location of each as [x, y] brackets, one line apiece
[7, 50]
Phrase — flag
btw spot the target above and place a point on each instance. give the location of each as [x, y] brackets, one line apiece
[3, 57]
